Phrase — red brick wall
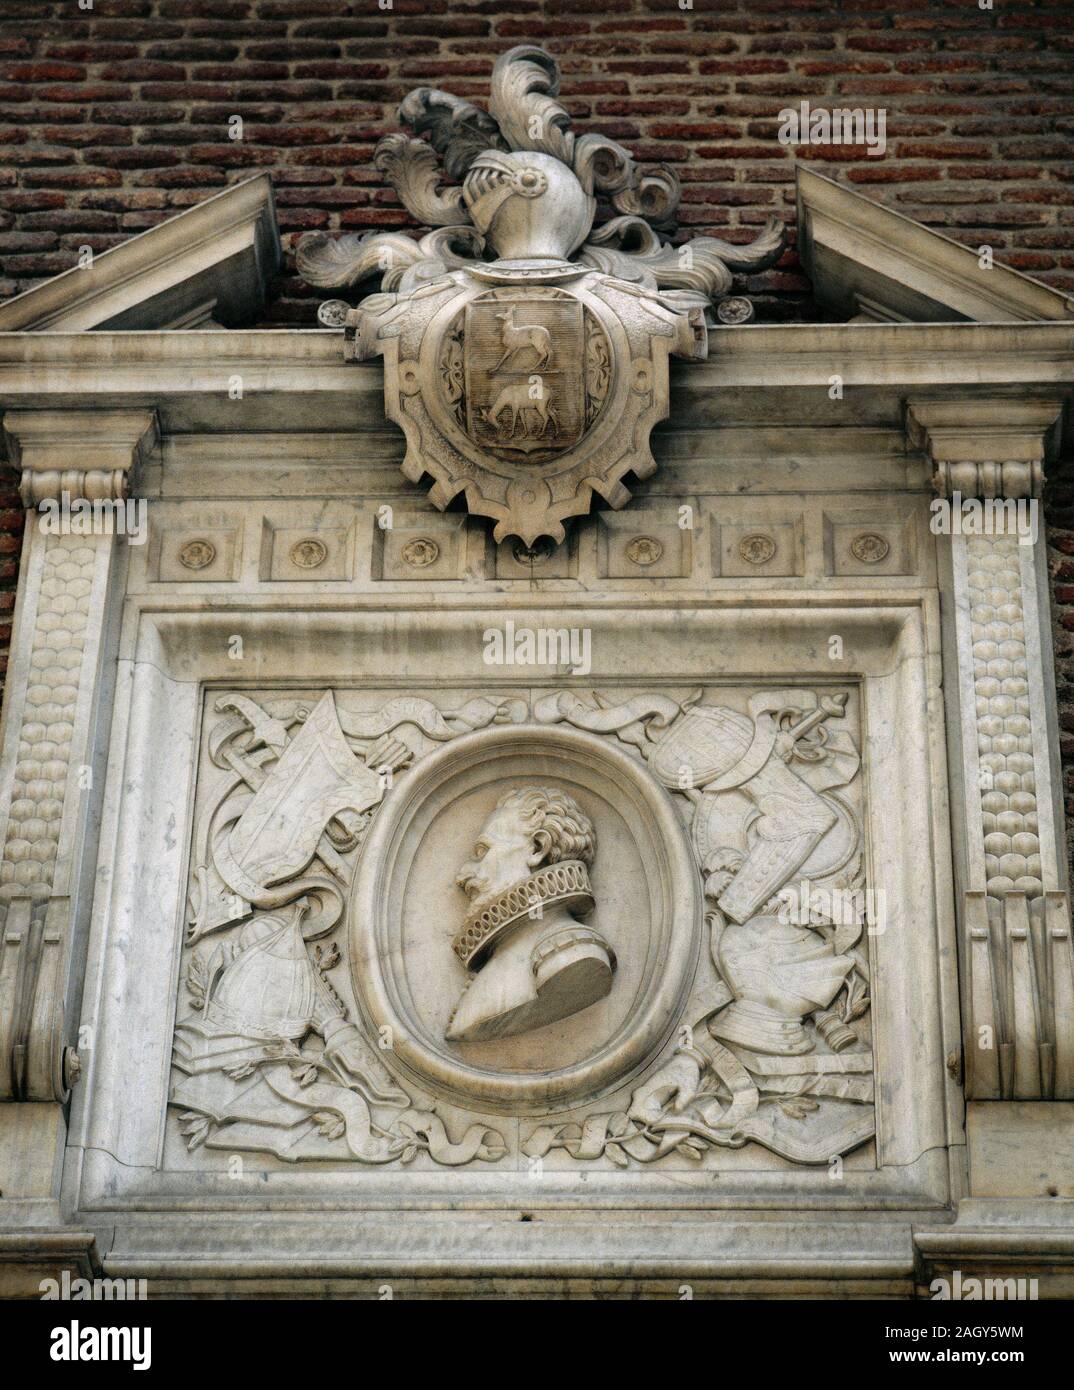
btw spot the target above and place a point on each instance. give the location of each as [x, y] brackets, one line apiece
[114, 118]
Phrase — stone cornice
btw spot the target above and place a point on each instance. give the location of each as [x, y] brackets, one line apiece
[211, 262]
[863, 257]
[295, 378]
[986, 448]
[748, 353]
[83, 453]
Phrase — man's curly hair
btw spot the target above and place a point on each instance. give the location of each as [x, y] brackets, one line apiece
[556, 821]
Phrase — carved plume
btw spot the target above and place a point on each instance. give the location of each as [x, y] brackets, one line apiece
[653, 194]
[629, 248]
[525, 83]
[458, 131]
[330, 263]
[415, 174]
[524, 116]
[602, 165]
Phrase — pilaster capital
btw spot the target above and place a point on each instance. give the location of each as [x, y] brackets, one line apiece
[986, 448]
[85, 453]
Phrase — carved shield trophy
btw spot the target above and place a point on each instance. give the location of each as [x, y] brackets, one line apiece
[526, 353]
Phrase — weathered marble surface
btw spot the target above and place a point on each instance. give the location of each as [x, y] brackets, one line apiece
[800, 652]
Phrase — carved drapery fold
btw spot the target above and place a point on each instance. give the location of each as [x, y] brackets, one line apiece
[50, 715]
[1017, 962]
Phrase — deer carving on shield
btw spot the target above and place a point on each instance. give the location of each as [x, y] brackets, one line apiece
[517, 399]
[515, 338]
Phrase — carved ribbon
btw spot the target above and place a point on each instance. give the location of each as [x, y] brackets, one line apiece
[710, 1121]
[424, 715]
[478, 1142]
[348, 1104]
[563, 706]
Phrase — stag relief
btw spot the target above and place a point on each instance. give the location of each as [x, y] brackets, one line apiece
[517, 338]
[535, 413]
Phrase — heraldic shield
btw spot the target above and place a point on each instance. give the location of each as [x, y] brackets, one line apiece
[525, 349]
[528, 379]
[527, 399]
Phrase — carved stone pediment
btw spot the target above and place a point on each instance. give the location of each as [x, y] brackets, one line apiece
[525, 353]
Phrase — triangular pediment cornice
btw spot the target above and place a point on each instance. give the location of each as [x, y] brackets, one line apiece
[208, 267]
[872, 264]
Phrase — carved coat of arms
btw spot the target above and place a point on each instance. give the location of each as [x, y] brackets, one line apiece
[526, 354]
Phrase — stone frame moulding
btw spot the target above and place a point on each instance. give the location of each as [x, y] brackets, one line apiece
[173, 651]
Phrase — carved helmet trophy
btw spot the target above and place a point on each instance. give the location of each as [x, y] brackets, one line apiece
[526, 355]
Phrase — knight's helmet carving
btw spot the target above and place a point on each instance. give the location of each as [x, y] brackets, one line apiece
[511, 194]
[269, 989]
[527, 205]
[780, 973]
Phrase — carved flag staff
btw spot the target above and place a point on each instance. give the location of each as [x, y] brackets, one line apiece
[525, 353]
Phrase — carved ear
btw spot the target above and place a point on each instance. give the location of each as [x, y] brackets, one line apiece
[542, 842]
